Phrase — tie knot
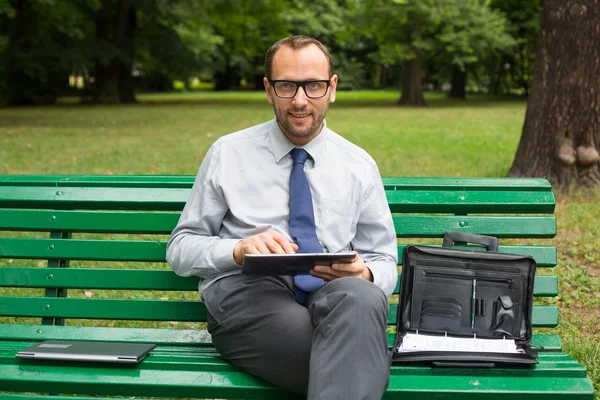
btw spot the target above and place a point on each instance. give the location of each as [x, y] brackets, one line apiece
[299, 156]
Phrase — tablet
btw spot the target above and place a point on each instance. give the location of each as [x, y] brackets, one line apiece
[290, 264]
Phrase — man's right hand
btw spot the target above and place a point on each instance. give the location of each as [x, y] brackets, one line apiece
[263, 243]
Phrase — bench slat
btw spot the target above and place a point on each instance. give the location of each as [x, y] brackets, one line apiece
[89, 221]
[26, 332]
[501, 226]
[135, 250]
[164, 222]
[486, 184]
[475, 202]
[407, 201]
[126, 309]
[157, 310]
[194, 358]
[95, 278]
[93, 198]
[106, 250]
[543, 316]
[233, 384]
[129, 279]
[186, 181]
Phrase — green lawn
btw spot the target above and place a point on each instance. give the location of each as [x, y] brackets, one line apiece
[170, 133]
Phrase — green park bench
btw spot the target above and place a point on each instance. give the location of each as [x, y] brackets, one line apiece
[83, 258]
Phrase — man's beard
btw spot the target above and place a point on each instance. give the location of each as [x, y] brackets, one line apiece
[289, 128]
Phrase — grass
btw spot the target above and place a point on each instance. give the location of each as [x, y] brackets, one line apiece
[170, 133]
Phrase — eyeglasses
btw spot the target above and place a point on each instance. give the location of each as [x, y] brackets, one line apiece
[288, 89]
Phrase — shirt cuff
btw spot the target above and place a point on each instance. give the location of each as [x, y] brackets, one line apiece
[381, 277]
[223, 255]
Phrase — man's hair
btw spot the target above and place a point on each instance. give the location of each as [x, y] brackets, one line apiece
[295, 42]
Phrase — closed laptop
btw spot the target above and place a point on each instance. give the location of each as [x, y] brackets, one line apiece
[117, 352]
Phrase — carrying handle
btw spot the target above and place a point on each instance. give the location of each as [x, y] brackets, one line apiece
[451, 237]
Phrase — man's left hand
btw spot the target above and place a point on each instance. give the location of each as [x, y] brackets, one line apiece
[356, 268]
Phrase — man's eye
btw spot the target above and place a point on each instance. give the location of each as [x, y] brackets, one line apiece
[286, 85]
[314, 85]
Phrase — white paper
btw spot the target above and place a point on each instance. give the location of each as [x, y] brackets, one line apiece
[413, 342]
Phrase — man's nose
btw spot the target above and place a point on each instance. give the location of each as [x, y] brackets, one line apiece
[300, 98]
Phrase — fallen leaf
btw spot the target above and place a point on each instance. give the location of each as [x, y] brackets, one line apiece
[88, 294]
[164, 298]
[41, 263]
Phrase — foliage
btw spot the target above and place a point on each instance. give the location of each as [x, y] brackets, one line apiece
[40, 42]
[511, 70]
[43, 42]
[447, 32]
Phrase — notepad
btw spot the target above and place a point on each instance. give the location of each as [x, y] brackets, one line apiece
[414, 342]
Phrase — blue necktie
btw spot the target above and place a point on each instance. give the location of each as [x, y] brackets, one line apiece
[302, 224]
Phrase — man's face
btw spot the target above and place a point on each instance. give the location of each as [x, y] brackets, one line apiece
[300, 118]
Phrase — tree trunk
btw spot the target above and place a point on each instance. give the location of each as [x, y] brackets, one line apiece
[113, 72]
[561, 134]
[412, 89]
[126, 82]
[459, 82]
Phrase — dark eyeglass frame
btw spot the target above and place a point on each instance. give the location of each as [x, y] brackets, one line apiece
[300, 84]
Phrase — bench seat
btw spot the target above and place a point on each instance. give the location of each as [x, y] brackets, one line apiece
[81, 254]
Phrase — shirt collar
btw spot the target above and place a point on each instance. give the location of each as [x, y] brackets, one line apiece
[282, 145]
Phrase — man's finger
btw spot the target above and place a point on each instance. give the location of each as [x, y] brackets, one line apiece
[275, 247]
[285, 244]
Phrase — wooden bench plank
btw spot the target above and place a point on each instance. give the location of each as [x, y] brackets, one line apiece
[467, 384]
[137, 250]
[106, 250]
[95, 278]
[163, 223]
[160, 310]
[89, 221]
[486, 184]
[186, 181]
[27, 332]
[173, 199]
[208, 359]
[6, 396]
[31, 332]
[421, 226]
[128, 279]
[475, 202]
[232, 384]
[129, 309]
[105, 381]
[93, 198]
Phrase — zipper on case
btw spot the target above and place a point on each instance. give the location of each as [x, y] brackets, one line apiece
[468, 278]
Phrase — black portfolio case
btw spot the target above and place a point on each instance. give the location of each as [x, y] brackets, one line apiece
[465, 308]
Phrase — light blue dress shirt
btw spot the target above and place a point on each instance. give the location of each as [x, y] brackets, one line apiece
[242, 189]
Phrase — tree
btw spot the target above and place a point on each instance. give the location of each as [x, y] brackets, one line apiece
[456, 33]
[40, 42]
[510, 70]
[560, 140]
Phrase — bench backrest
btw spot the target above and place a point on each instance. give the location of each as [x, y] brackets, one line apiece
[91, 249]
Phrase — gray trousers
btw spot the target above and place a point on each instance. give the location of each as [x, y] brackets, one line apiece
[335, 347]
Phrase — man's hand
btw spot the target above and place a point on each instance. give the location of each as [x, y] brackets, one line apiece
[263, 243]
[355, 268]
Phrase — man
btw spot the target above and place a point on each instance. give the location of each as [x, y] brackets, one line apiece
[323, 334]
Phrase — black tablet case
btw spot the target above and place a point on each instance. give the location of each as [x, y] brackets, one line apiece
[436, 299]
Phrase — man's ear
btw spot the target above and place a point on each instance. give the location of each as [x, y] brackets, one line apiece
[333, 88]
[268, 90]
